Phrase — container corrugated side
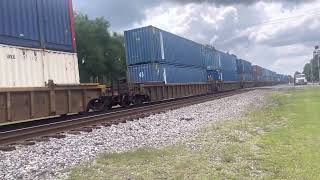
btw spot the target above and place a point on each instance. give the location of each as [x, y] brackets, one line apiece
[214, 75]
[247, 66]
[61, 67]
[267, 75]
[19, 23]
[27, 67]
[156, 72]
[228, 62]
[257, 73]
[56, 26]
[178, 50]
[37, 24]
[20, 67]
[247, 77]
[227, 75]
[244, 70]
[211, 59]
[142, 45]
[239, 66]
[150, 44]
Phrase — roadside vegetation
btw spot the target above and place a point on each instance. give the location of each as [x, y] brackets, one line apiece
[278, 141]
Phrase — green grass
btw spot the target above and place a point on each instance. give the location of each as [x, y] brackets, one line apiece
[293, 151]
[280, 141]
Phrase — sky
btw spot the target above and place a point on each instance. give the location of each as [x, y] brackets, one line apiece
[276, 34]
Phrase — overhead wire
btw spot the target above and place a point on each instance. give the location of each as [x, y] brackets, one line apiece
[287, 19]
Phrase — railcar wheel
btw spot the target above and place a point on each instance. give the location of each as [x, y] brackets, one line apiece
[95, 105]
[138, 100]
[125, 101]
[100, 104]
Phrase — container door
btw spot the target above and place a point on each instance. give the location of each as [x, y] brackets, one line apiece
[55, 24]
[61, 67]
[19, 23]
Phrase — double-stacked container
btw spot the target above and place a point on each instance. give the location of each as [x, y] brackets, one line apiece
[257, 73]
[244, 69]
[154, 55]
[228, 67]
[221, 66]
[212, 63]
[37, 43]
[262, 74]
[37, 49]
[266, 74]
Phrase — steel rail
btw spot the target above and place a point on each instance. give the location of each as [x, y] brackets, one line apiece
[15, 136]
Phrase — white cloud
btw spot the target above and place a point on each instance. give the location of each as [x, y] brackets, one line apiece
[250, 29]
[252, 32]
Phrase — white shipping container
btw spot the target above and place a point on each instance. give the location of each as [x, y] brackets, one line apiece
[61, 67]
[27, 67]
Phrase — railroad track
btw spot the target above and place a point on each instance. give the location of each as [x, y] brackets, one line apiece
[53, 129]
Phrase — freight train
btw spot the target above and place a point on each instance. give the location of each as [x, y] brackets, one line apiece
[40, 77]
[162, 66]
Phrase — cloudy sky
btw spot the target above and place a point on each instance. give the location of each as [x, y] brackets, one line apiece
[276, 34]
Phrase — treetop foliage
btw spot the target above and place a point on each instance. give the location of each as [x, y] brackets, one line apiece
[101, 55]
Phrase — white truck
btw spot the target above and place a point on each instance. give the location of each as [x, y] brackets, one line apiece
[300, 79]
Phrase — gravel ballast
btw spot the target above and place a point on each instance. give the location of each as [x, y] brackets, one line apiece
[49, 160]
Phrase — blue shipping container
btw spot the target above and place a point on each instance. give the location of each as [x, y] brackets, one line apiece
[227, 75]
[153, 45]
[239, 66]
[244, 69]
[46, 24]
[225, 68]
[244, 66]
[246, 77]
[268, 75]
[222, 75]
[214, 75]
[156, 72]
[228, 62]
[211, 58]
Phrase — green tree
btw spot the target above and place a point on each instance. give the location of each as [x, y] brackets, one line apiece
[101, 55]
[315, 70]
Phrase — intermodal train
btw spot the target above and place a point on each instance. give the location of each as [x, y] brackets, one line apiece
[40, 76]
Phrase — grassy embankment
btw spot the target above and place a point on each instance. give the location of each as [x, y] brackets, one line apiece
[281, 141]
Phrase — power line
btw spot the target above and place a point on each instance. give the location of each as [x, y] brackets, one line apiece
[276, 21]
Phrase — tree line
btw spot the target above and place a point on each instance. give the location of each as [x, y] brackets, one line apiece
[101, 54]
[314, 72]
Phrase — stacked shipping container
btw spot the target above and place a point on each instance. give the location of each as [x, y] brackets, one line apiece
[154, 55]
[221, 66]
[159, 56]
[212, 59]
[262, 74]
[37, 43]
[257, 73]
[228, 67]
[244, 70]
